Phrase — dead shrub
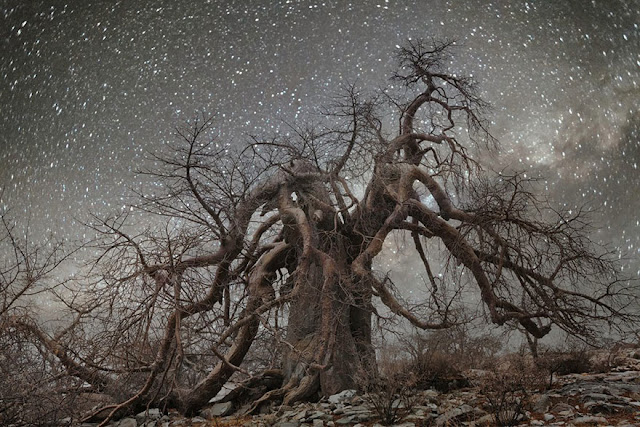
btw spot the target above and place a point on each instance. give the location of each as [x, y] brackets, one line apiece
[439, 357]
[391, 392]
[464, 347]
[33, 391]
[508, 389]
[435, 370]
[555, 362]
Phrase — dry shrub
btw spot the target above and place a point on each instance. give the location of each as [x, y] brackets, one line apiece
[575, 362]
[462, 346]
[616, 355]
[33, 389]
[439, 357]
[391, 392]
[557, 362]
[437, 371]
[508, 388]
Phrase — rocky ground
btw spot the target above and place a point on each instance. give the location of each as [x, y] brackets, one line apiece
[603, 399]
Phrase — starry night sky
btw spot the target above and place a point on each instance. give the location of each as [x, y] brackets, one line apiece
[89, 88]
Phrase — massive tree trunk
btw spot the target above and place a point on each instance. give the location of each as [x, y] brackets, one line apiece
[329, 324]
[329, 333]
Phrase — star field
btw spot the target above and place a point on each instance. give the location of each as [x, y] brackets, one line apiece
[89, 88]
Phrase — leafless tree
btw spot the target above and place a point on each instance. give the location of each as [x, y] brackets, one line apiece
[270, 247]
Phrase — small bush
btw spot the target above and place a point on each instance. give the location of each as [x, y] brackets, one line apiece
[508, 389]
[436, 370]
[33, 389]
[392, 391]
[460, 348]
[555, 362]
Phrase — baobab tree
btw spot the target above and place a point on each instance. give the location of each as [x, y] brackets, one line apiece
[263, 266]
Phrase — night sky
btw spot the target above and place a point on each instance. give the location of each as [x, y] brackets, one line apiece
[89, 88]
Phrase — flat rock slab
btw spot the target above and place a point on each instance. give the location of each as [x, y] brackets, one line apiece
[342, 396]
[590, 421]
[218, 410]
[128, 422]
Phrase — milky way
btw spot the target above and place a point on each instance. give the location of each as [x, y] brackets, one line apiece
[89, 89]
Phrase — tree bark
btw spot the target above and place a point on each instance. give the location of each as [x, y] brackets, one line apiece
[338, 353]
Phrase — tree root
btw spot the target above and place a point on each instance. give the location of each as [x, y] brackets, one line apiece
[294, 391]
[308, 385]
[270, 396]
[256, 386]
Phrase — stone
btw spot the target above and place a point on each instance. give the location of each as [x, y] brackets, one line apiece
[430, 395]
[419, 419]
[363, 416]
[217, 410]
[346, 420]
[563, 409]
[549, 417]
[356, 410]
[288, 414]
[397, 404]
[429, 407]
[343, 396]
[606, 408]
[596, 396]
[461, 413]
[485, 420]
[591, 420]
[149, 415]
[300, 415]
[318, 423]
[269, 419]
[540, 403]
[128, 422]
[317, 415]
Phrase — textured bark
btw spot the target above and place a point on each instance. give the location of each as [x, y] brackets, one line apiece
[330, 340]
[329, 324]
